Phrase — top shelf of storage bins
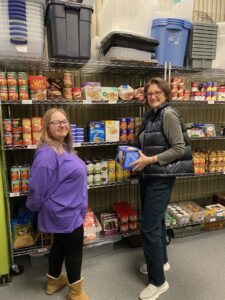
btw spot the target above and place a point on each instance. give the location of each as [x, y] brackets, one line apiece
[88, 67]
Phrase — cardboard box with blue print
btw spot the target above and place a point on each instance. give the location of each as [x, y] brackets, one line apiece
[96, 132]
[126, 155]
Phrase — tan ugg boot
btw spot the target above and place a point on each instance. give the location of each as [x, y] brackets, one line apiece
[76, 291]
[55, 284]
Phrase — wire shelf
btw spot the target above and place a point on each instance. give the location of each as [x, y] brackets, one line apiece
[186, 102]
[22, 63]
[77, 102]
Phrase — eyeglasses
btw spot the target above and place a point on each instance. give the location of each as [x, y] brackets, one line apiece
[59, 123]
[157, 94]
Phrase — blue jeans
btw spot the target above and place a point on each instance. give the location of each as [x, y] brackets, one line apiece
[155, 196]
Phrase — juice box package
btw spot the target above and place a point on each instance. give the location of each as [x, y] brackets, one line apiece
[112, 131]
[126, 155]
[96, 131]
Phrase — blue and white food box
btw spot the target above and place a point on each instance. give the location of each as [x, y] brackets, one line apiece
[126, 155]
[96, 132]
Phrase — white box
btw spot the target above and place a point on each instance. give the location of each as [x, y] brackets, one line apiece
[112, 131]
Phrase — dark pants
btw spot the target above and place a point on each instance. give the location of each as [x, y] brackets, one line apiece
[155, 196]
[68, 246]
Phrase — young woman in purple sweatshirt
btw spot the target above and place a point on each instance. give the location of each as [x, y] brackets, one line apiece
[58, 193]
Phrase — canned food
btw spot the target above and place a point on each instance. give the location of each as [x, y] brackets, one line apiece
[16, 125]
[123, 136]
[90, 167]
[26, 125]
[27, 138]
[123, 124]
[104, 178]
[130, 123]
[36, 137]
[12, 78]
[13, 93]
[4, 96]
[18, 138]
[23, 92]
[130, 135]
[16, 186]
[7, 125]
[90, 179]
[118, 167]
[97, 167]
[97, 179]
[8, 140]
[126, 174]
[22, 78]
[111, 165]
[15, 173]
[67, 79]
[119, 176]
[111, 176]
[3, 81]
[36, 124]
[24, 172]
[104, 166]
[24, 185]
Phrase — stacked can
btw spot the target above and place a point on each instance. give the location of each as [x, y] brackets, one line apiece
[19, 178]
[77, 134]
[17, 132]
[177, 88]
[211, 91]
[12, 86]
[7, 132]
[127, 129]
[197, 91]
[67, 83]
[23, 86]
[4, 96]
[36, 126]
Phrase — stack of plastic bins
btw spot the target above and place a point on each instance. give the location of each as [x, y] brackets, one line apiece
[202, 45]
[68, 30]
[172, 35]
[22, 28]
[219, 62]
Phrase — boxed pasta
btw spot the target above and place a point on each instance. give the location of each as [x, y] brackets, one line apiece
[112, 131]
[96, 132]
[197, 212]
[109, 93]
[91, 91]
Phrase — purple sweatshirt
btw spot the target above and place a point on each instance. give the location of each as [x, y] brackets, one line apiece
[57, 190]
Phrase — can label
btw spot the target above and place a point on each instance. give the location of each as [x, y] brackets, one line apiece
[16, 186]
[12, 78]
[24, 172]
[16, 125]
[15, 173]
[22, 78]
[7, 125]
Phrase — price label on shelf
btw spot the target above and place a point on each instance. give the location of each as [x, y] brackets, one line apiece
[212, 220]
[27, 101]
[134, 181]
[14, 194]
[87, 101]
[31, 146]
[211, 102]
[112, 101]
[76, 145]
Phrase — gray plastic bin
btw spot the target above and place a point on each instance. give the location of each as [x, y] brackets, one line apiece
[68, 30]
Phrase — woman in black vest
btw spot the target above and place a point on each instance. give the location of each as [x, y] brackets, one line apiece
[165, 153]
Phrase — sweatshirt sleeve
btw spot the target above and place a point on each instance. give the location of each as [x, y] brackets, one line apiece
[173, 133]
[40, 181]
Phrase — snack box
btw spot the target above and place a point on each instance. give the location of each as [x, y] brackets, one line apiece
[112, 131]
[197, 212]
[126, 92]
[219, 210]
[126, 155]
[109, 224]
[109, 93]
[96, 132]
[91, 91]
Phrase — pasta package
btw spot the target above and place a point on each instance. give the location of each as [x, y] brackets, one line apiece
[91, 91]
[23, 236]
[109, 93]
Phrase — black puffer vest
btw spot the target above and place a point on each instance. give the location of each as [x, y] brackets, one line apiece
[155, 142]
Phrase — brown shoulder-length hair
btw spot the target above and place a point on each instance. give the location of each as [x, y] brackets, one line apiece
[162, 85]
[46, 138]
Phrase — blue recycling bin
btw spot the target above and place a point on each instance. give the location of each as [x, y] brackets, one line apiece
[172, 35]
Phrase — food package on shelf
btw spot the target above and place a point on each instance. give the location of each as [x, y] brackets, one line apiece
[126, 92]
[54, 88]
[109, 93]
[109, 223]
[92, 227]
[197, 212]
[112, 131]
[139, 94]
[91, 91]
[179, 214]
[96, 132]
[126, 155]
[38, 87]
[218, 208]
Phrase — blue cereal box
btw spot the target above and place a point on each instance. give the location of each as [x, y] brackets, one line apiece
[126, 155]
[96, 132]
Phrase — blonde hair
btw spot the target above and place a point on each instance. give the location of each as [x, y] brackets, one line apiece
[46, 138]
